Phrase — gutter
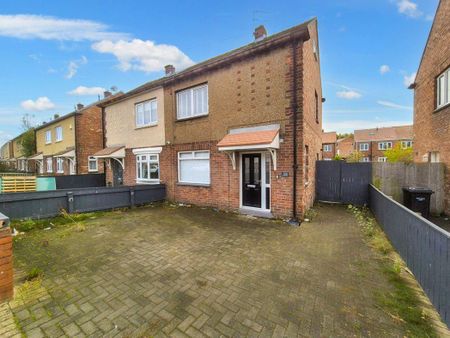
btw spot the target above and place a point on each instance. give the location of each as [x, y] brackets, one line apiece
[76, 145]
[294, 220]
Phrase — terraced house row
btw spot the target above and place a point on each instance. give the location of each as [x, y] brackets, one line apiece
[240, 131]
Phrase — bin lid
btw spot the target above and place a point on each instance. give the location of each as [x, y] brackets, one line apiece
[418, 190]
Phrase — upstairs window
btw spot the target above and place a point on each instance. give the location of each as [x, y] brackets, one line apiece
[443, 89]
[407, 144]
[363, 146]
[384, 145]
[192, 102]
[59, 134]
[146, 113]
[48, 137]
[327, 148]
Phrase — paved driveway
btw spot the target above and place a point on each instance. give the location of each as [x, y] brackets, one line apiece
[166, 271]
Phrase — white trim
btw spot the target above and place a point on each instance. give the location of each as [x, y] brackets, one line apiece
[153, 150]
[193, 158]
[192, 103]
[92, 158]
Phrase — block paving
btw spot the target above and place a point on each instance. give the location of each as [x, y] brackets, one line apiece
[166, 271]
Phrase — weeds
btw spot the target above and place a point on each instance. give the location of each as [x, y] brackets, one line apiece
[402, 303]
[34, 273]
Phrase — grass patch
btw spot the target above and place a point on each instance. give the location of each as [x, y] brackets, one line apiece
[402, 303]
[34, 273]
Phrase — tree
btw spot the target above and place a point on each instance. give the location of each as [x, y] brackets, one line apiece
[27, 141]
[399, 154]
[355, 156]
[343, 135]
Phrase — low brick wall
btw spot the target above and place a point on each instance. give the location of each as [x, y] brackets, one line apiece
[6, 264]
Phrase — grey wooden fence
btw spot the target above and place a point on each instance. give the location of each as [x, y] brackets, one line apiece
[80, 181]
[339, 181]
[44, 204]
[423, 246]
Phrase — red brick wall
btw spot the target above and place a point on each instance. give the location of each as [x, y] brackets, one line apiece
[432, 127]
[374, 153]
[6, 264]
[89, 137]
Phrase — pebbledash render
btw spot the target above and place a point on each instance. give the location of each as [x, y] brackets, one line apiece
[432, 97]
[241, 131]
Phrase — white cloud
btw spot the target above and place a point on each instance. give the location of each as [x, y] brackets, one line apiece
[85, 91]
[143, 55]
[408, 8]
[25, 26]
[348, 126]
[348, 94]
[41, 104]
[73, 66]
[393, 105]
[409, 79]
[384, 69]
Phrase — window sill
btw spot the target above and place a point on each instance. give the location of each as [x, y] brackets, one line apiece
[200, 185]
[437, 110]
[58, 141]
[191, 118]
[138, 181]
[146, 126]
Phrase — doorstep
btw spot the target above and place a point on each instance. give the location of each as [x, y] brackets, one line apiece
[256, 213]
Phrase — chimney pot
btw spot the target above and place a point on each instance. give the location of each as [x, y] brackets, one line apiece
[107, 93]
[260, 33]
[80, 106]
[170, 70]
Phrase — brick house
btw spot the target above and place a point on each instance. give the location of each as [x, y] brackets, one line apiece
[18, 158]
[372, 143]
[242, 131]
[329, 145]
[432, 97]
[345, 147]
[65, 144]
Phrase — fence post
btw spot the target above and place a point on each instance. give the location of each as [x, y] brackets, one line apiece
[6, 268]
[70, 208]
[132, 202]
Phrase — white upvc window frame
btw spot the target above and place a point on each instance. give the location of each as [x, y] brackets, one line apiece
[194, 156]
[328, 148]
[146, 158]
[407, 144]
[60, 165]
[140, 121]
[190, 92]
[382, 159]
[92, 159]
[364, 146]
[365, 159]
[385, 145]
[48, 161]
[48, 136]
[58, 134]
[443, 89]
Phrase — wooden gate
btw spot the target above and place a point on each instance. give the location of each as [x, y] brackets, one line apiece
[342, 182]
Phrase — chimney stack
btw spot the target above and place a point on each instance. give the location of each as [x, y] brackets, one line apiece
[260, 33]
[170, 70]
[106, 94]
[80, 106]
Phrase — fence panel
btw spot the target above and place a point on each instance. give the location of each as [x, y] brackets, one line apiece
[339, 181]
[50, 203]
[424, 247]
[80, 181]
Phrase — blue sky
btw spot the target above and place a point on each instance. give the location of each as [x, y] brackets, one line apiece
[57, 53]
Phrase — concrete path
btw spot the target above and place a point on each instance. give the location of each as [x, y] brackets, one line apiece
[190, 272]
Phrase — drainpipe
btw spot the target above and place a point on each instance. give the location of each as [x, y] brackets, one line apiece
[76, 144]
[294, 107]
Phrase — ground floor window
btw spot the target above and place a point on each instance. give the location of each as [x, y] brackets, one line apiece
[382, 159]
[93, 163]
[193, 167]
[365, 159]
[49, 165]
[59, 165]
[147, 168]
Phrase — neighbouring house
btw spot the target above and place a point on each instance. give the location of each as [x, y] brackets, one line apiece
[345, 147]
[329, 145]
[19, 159]
[372, 143]
[64, 145]
[432, 97]
[241, 131]
[6, 154]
